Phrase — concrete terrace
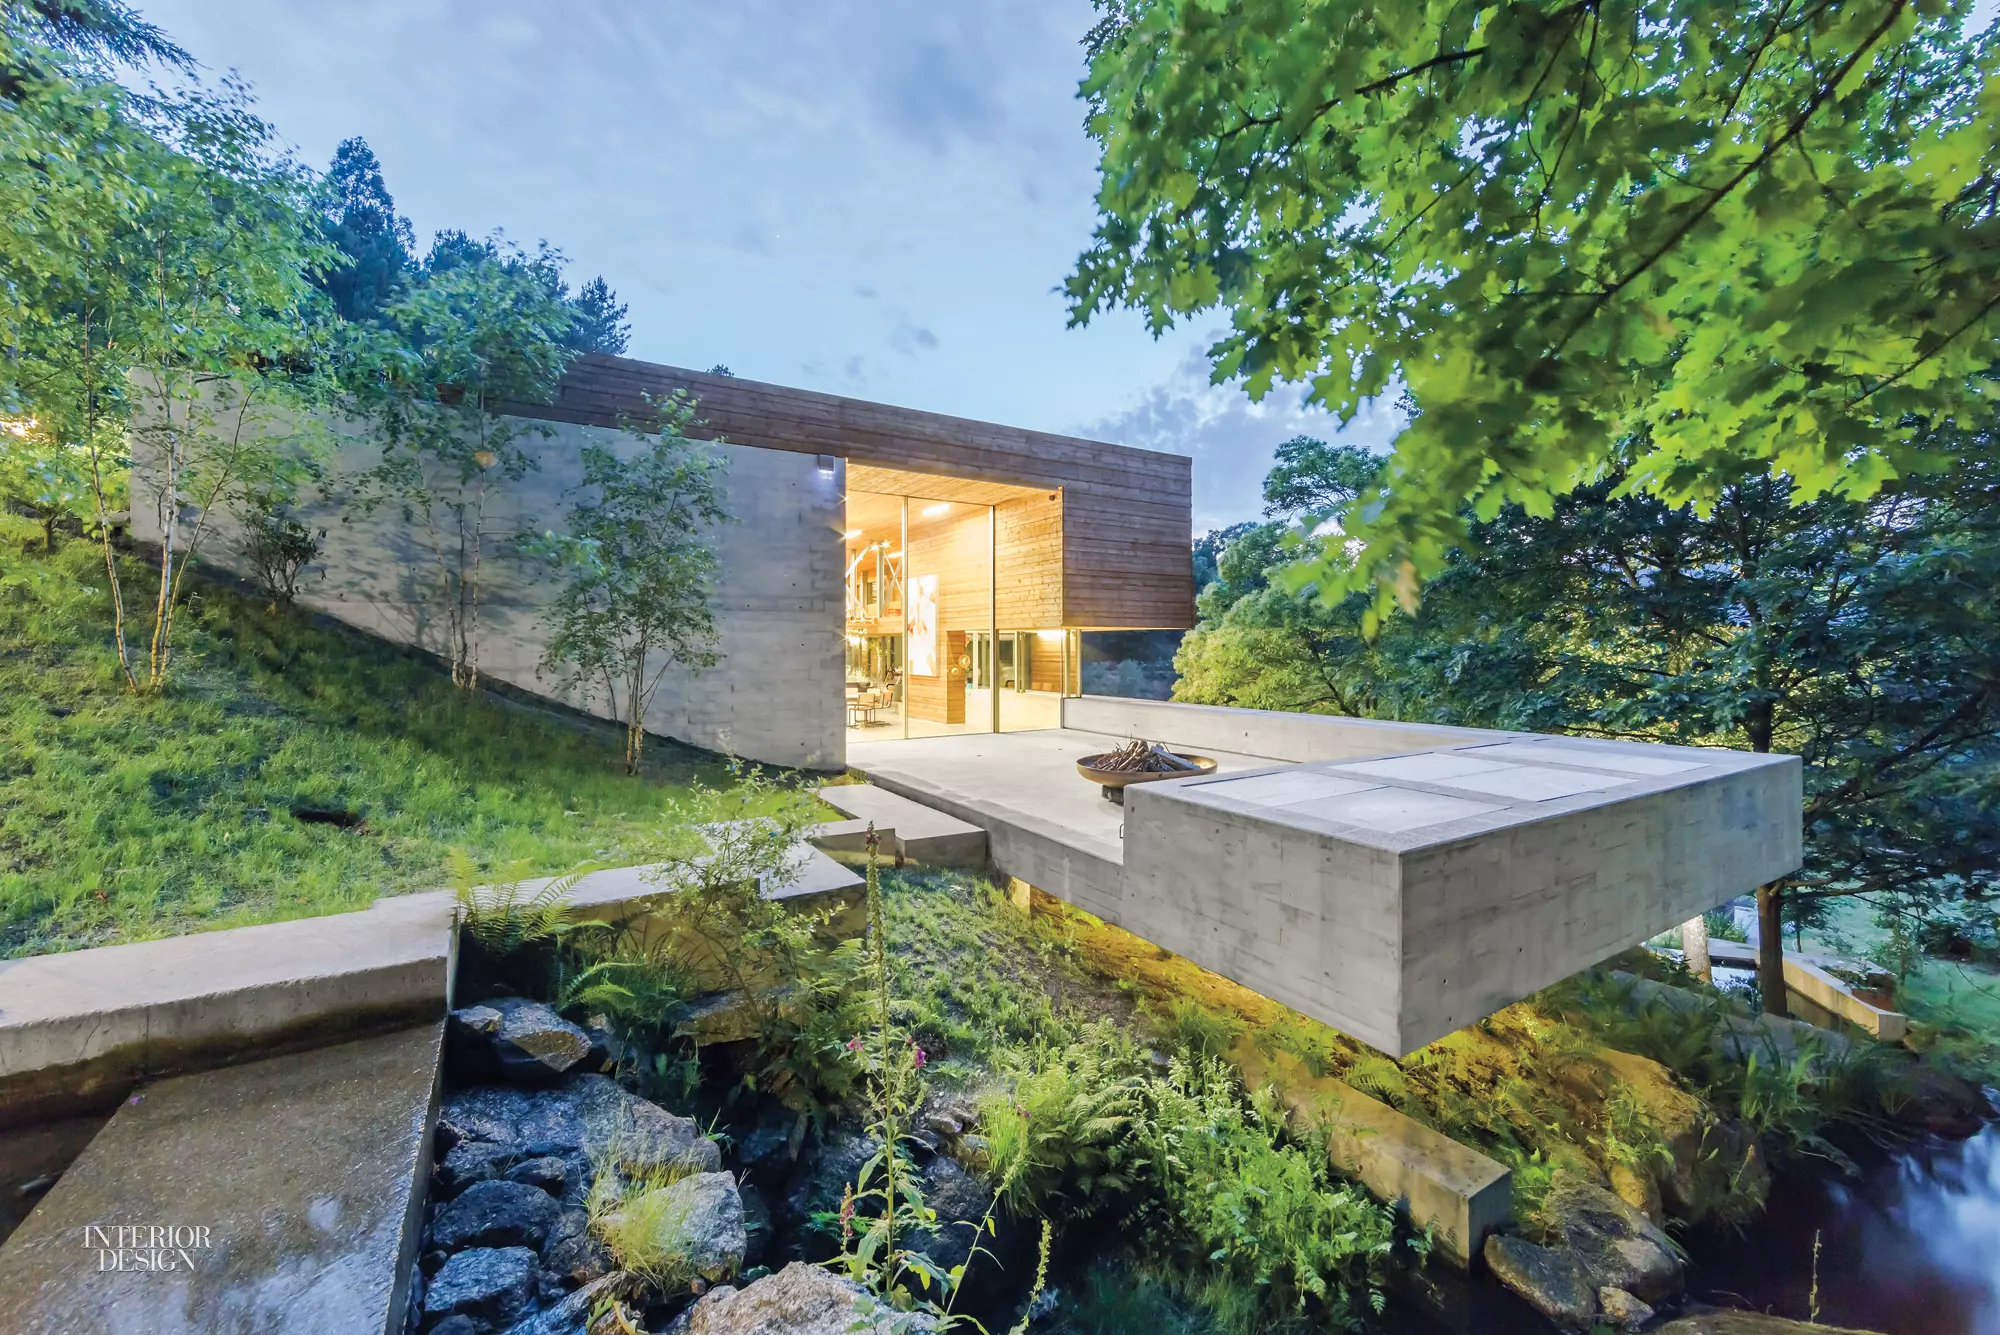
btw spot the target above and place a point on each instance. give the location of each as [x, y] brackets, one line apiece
[1395, 881]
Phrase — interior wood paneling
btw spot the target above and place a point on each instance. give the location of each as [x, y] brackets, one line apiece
[1126, 515]
[941, 699]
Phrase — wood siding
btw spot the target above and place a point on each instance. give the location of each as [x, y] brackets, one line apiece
[1126, 519]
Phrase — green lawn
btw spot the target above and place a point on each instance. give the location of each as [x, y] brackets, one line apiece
[124, 817]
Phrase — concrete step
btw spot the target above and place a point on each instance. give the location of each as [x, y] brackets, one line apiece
[922, 834]
[295, 1185]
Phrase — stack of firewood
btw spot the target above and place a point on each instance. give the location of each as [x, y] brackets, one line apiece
[1141, 757]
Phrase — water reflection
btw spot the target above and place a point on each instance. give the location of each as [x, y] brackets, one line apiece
[1912, 1247]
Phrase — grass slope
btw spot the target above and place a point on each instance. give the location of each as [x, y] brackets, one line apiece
[124, 817]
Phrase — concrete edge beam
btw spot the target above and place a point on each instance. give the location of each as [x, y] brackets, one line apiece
[78, 1029]
[1451, 1189]
[1806, 979]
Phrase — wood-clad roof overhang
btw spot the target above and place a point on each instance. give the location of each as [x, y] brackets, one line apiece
[1128, 514]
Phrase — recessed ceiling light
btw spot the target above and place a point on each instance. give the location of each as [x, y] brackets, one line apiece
[931, 511]
[854, 533]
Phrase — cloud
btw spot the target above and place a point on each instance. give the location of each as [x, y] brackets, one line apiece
[1230, 438]
[910, 339]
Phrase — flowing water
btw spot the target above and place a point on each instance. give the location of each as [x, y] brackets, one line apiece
[1911, 1247]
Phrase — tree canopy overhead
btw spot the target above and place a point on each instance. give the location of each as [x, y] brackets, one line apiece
[1678, 243]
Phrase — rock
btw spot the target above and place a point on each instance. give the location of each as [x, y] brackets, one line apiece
[1619, 1246]
[488, 1286]
[468, 1162]
[1644, 992]
[606, 1048]
[1777, 1041]
[724, 1017]
[473, 1024]
[1745, 1323]
[960, 1203]
[698, 1218]
[1553, 1282]
[1621, 1309]
[767, 1147]
[495, 1214]
[587, 1114]
[1716, 1159]
[533, 1044]
[573, 1253]
[457, 1325]
[822, 1178]
[756, 1224]
[801, 1299]
[548, 1172]
[570, 1315]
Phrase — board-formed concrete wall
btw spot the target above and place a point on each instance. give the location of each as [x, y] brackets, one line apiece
[778, 601]
[1257, 732]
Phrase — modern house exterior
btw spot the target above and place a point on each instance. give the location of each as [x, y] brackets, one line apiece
[904, 592]
[885, 572]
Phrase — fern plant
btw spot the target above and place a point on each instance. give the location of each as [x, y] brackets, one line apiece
[506, 914]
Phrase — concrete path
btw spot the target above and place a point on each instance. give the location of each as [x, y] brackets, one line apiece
[292, 1188]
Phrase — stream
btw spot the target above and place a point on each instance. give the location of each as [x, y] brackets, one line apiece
[1911, 1247]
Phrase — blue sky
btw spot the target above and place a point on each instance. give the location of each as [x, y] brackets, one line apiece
[876, 199]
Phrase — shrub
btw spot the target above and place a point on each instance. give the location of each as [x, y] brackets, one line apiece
[1271, 1234]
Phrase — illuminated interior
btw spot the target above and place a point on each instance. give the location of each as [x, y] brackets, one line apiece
[953, 586]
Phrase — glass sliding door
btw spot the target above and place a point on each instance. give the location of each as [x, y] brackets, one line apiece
[920, 598]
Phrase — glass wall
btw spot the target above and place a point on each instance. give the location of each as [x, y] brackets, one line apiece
[953, 613]
[919, 591]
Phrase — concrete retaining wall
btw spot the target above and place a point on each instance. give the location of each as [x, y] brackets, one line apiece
[778, 601]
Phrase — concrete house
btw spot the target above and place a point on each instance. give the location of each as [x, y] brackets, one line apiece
[904, 593]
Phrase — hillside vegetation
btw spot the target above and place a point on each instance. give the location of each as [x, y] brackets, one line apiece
[294, 767]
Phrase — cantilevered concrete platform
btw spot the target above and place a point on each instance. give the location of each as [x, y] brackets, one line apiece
[1395, 881]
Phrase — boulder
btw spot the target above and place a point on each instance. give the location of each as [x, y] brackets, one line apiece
[468, 1162]
[1553, 1282]
[489, 1286]
[698, 1218]
[573, 1253]
[547, 1172]
[587, 1114]
[822, 1178]
[801, 1299]
[1745, 1323]
[457, 1325]
[768, 1146]
[495, 1214]
[570, 1315]
[1622, 1310]
[1617, 1245]
[533, 1044]
[960, 1202]
[1777, 1041]
[1715, 1157]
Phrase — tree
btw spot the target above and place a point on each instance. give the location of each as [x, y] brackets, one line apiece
[1680, 244]
[477, 330]
[361, 220]
[1862, 636]
[155, 262]
[601, 325]
[635, 603]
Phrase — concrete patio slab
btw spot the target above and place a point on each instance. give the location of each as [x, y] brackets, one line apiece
[293, 1184]
[1398, 882]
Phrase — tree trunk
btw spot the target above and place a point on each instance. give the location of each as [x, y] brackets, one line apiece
[1694, 948]
[1771, 948]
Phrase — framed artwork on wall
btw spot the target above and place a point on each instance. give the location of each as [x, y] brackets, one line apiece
[923, 626]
